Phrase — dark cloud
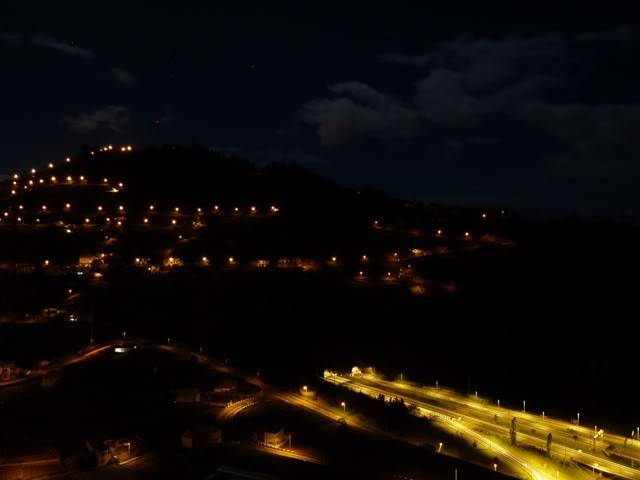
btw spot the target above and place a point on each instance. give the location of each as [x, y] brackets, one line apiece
[46, 41]
[115, 118]
[470, 81]
[358, 110]
[123, 77]
[10, 38]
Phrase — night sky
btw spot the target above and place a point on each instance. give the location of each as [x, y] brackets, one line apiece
[537, 109]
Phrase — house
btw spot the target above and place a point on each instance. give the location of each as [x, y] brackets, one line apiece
[8, 372]
[114, 451]
[276, 438]
[202, 436]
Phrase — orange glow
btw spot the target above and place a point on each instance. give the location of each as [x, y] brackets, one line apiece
[82, 178]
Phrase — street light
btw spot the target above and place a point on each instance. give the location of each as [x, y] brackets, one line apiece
[344, 406]
[439, 447]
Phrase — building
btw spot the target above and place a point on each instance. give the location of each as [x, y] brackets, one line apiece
[114, 451]
[9, 372]
[276, 438]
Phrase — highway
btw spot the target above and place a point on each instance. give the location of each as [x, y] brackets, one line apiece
[484, 422]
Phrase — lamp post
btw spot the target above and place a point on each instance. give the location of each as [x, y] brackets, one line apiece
[344, 407]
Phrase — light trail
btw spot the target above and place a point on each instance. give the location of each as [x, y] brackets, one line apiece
[476, 414]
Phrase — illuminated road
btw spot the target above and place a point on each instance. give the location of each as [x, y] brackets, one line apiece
[482, 421]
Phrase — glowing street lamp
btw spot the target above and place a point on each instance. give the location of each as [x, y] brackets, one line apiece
[51, 165]
[344, 406]
[439, 447]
